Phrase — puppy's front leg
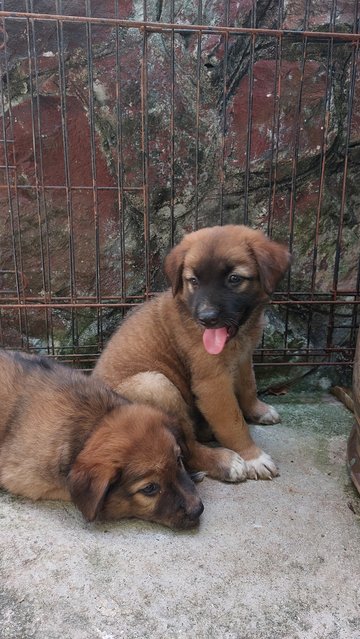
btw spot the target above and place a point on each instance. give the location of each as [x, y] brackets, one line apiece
[217, 402]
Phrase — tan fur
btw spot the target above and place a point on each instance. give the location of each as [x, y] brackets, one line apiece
[64, 435]
[158, 356]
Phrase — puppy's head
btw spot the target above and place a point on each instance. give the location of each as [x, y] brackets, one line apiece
[132, 466]
[222, 273]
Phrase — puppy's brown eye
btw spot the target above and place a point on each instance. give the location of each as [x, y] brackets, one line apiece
[193, 281]
[235, 278]
[150, 490]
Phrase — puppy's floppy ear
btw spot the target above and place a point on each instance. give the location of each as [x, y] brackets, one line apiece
[95, 468]
[174, 264]
[88, 487]
[175, 428]
[273, 260]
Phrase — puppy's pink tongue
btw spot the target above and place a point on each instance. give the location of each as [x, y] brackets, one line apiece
[214, 340]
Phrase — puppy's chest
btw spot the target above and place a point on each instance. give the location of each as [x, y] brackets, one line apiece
[236, 353]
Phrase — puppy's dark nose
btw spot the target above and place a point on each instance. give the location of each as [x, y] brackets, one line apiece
[208, 316]
[195, 512]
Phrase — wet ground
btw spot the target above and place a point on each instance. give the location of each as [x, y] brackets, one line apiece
[271, 560]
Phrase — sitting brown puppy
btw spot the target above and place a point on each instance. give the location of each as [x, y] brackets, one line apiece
[64, 435]
[189, 350]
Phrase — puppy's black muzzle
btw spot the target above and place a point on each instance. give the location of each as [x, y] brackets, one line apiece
[191, 517]
[208, 317]
[194, 513]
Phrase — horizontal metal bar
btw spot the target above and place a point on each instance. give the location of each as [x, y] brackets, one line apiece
[258, 351]
[106, 299]
[70, 306]
[179, 28]
[308, 364]
[93, 357]
[45, 187]
[333, 293]
[316, 352]
[65, 299]
[306, 302]
[70, 360]
[74, 304]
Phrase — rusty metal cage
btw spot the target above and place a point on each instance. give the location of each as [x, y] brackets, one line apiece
[124, 124]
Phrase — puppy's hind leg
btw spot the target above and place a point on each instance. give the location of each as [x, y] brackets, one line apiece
[156, 389]
[254, 410]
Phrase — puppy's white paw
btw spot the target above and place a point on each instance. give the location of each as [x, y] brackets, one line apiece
[271, 416]
[237, 469]
[261, 467]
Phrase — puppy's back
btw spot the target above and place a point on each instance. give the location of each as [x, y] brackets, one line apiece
[47, 413]
[35, 388]
[12, 369]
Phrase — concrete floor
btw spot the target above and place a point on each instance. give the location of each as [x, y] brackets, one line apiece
[271, 560]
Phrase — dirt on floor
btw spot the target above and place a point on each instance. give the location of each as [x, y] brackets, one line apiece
[271, 559]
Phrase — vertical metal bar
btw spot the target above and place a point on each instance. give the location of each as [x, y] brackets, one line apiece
[275, 139]
[354, 319]
[354, 59]
[197, 117]
[36, 140]
[224, 108]
[172, 126]
[145, 156]
[250, 115]
[275, 128]
[323, 154]
[280, 14]
[2, 340]
[274, 144]
[120, 158]
[14, 211]
[43, 219]
[293, 192]
[326, 124]
[93, 171]
[249, 130]
[64, 126]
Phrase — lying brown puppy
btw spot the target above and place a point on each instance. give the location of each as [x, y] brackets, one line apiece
[64, 435]
[189, 350]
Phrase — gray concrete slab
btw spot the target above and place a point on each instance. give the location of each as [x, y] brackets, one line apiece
[271, 560]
